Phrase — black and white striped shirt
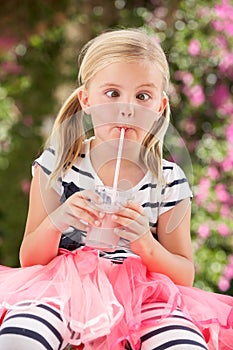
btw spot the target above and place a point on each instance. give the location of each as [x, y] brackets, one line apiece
[156, 200]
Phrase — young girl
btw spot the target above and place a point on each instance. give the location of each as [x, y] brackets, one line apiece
[140, 295]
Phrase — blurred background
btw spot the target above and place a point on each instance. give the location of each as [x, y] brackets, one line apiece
[39, 44]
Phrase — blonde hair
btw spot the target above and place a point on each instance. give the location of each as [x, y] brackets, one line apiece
[127, 45]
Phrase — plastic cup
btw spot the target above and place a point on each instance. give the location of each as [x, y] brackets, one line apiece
[103, 237]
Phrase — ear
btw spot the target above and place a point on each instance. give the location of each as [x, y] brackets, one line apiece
[163, 104]
[83, 97]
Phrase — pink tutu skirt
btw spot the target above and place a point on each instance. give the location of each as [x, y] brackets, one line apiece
[102, 301]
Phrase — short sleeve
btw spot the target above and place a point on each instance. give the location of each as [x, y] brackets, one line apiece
[176, 188]
[47, 163]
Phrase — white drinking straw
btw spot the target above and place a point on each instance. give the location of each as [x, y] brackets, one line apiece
[118, 163]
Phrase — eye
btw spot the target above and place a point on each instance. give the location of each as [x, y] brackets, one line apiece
[143, 96]
[112, 93]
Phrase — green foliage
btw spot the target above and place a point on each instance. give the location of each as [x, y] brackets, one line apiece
[198, 42]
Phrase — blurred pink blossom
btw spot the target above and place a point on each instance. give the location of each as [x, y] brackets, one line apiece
[203, 190]
[223, 229]
[229, 133]
[194, 47]
[190, 126]
[226, 62]
[227, 108]
[222, 194]
[227, 163]
[196, 95]
[25, 186]
[212, 207]
[10, 68]
[28, 121]
[230, 259]
[224, 15]
[186, 77]
[228, 272]
[203, 231]
[213, 173]
[221, 41]
[225, 211]
[223, 284]
[6, 43]
[220, 95]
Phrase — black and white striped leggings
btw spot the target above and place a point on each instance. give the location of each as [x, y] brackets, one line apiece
[41, 327]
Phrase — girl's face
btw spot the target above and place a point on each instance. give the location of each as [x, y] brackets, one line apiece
[131, 93]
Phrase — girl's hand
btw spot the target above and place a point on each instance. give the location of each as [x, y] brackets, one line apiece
[78, 211]
[134, 223]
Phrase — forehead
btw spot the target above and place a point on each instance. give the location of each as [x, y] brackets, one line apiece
[141, 72]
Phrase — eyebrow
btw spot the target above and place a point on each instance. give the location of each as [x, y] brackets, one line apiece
[151, 85]
[148, 85]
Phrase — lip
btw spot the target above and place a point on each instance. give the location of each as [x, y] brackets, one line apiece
[126, 128]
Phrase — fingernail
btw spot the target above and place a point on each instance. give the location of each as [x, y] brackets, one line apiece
[97, 223]
[101, 215]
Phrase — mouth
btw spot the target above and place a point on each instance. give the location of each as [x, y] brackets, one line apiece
[126, 128]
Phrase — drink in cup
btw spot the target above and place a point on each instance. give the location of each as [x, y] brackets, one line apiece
[103, 237]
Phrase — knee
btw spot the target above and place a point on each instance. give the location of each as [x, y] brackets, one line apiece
[36, 327]
[17, 337]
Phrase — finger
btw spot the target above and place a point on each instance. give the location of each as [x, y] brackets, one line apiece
[84, 201]
[135, 207]
[123, 233]
[91, 196]
[131, 225]
[85, 216]
[80, 225]
[84, 213]
[129, 235]
[132, 215]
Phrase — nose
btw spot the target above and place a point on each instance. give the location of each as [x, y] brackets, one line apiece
[126, 111]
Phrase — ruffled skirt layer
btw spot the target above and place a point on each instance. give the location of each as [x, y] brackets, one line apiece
[101, 301]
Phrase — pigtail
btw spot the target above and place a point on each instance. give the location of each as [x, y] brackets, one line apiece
[152, 150]
[67, 136]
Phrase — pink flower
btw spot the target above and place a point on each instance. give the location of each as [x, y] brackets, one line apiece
[212, 207]
[190, 126]
[225, 211]
[220, 95]
[227, 164]
[25, 186]
[6, 43]
[203, 190]
[229, 133]
[227, 108]
[228, 272]
[226, 62]
[223, 229]
[230, 258]
[222, 194]
[222, 42]
[194, 47]
[28, 121]
[11, 68]
[186, 77]
[224, 15]
[203, 231]
[213, 173]
[223, 284]
[196, 95]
